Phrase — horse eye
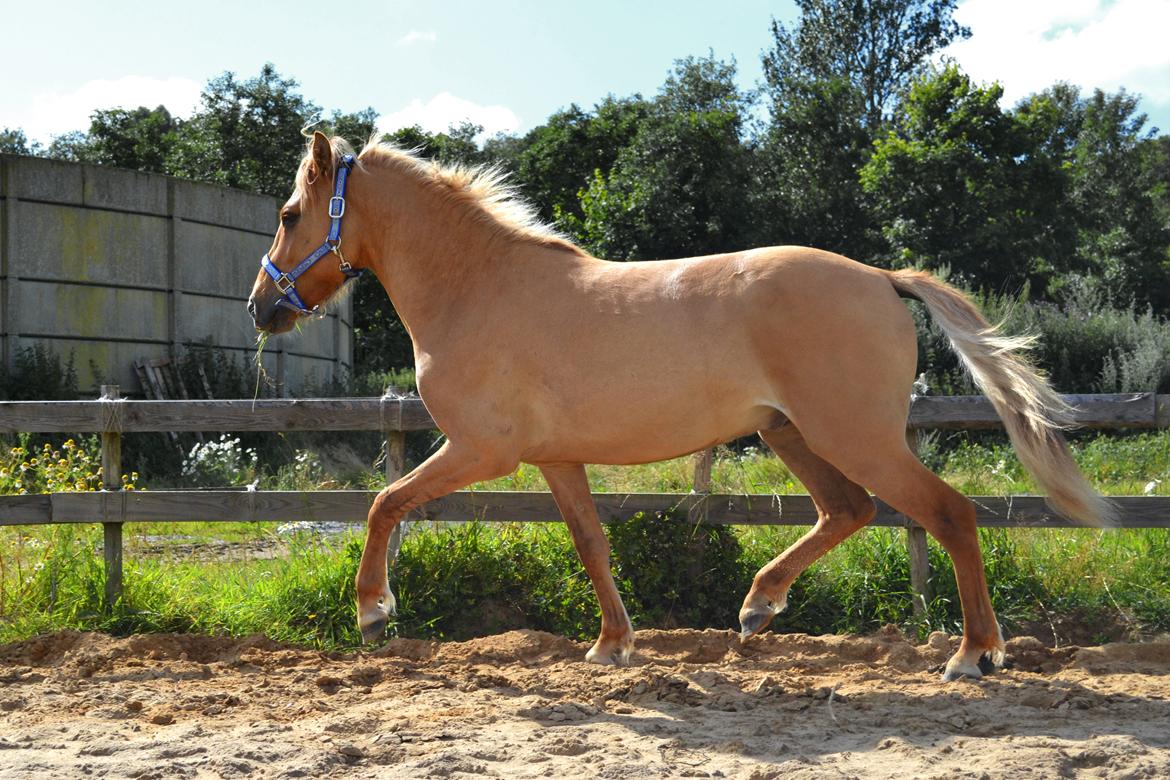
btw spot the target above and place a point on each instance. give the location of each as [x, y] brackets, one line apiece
[288, 219]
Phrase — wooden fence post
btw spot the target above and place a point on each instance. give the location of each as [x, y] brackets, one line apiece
[701, 485]
[919, 552]
[112, 480]
[395, 468]
[703, 463]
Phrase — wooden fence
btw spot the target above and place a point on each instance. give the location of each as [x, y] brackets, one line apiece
[112, 416]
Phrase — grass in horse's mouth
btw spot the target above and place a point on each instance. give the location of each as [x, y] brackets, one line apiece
[261, 341]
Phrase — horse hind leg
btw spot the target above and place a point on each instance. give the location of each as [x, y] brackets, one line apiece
[897, 477]
[842, 508]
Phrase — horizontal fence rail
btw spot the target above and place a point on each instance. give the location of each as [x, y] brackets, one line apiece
[113, 416]
[352, 506]
[962, 412]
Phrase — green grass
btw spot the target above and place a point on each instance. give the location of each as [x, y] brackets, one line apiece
[1076, 585]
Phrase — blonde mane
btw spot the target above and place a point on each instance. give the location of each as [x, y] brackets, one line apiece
[483, 188]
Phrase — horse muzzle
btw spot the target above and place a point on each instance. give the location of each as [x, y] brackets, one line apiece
[268, 316]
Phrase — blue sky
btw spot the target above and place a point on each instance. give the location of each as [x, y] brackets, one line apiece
[506, 64]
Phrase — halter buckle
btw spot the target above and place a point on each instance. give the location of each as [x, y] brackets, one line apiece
[284, 283]
[340, 210]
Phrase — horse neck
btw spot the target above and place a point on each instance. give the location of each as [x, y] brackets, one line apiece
[437, 254]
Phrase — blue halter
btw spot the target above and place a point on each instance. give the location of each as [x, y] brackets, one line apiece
[286, 282]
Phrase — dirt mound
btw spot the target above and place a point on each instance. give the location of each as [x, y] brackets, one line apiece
[524, 704]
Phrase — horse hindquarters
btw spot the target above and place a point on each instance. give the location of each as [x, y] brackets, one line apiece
[845, 383]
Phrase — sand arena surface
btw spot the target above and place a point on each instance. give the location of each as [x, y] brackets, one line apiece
[524, 704]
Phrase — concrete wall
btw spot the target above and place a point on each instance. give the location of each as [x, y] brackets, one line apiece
[115, 266]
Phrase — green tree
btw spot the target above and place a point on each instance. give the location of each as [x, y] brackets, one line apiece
[554, 162]
[680, 187]
[806, 186]
[457, 146]
[1124, 238]
[14, 141]
[1155, 155]
[830, 82]
[1059, 191]
[1049, 123]
[73, 146]
[380, 340]
[248, 134]
[948, 186]
[877, 46]
[357, 128]
[142, 139]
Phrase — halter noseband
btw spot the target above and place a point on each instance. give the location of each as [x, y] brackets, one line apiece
[286, 282]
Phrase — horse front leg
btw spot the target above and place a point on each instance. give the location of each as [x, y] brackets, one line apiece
[451, 468]
[570, 490]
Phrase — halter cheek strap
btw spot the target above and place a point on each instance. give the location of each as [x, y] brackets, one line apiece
[286, 282]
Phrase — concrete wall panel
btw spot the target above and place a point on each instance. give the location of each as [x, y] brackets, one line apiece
[48, 180]
[314, 338]
[217, 260]
[226, 321]
[113, 360]
[53, 309]
[120, 190]
[88, 245]
[228, 208]
[311, 373]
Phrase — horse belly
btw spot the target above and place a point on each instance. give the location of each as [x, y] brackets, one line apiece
[652, 409]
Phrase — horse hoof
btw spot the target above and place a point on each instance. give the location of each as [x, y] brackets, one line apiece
[374, 632]
[956, 670]
[619, 656]
[751, 623]
[959, 671]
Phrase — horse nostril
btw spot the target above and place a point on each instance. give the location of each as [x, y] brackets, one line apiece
[252, 308]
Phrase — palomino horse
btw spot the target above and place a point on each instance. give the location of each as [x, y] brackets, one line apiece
[528, 349]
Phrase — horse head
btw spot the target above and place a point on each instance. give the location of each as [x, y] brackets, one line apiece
[301, 272]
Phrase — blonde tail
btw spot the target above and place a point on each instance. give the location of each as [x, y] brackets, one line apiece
[1033, 414]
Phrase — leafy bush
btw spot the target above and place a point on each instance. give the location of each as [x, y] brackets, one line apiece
[1087, 343]
[676, 573]
[39, 375]
[472, 580]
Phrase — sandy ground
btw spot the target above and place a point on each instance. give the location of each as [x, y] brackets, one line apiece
[524, 704]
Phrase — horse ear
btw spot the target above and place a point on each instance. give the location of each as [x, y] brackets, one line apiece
[322, 162]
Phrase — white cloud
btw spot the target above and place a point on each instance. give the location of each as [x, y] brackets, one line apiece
[444, 110]
[55, 113]
[1028, 46]
[418, 36]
